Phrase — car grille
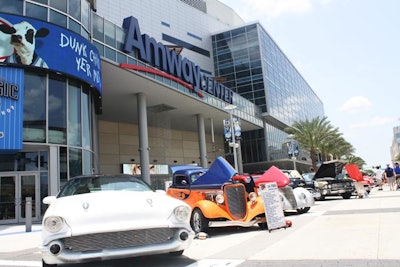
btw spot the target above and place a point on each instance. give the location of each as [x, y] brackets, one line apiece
[117, 240]
[236, 200]
[337, 186]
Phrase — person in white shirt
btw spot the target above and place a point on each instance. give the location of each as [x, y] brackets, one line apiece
[379, 176]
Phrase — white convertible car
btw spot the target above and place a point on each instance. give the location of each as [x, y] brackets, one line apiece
[104, 217]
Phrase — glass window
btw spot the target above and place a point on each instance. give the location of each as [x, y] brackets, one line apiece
[27, 161]
[63, 166]
[34, 108]
[74, 9]
[85, 7]
[35, 11]
[120, 35]
[57, 110]
[87, 162]
[14, 7]
[109, 33]
[44, 160]
[98, 29]
[86, 121]
[40, 1]
[75, 162]
[59, 5]
[58, 18]
[74, 26]
[44, 191]
[74, 115]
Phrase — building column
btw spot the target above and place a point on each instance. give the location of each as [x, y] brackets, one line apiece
[266, 140]
[54, 170]
[143, 137]
[202, 140]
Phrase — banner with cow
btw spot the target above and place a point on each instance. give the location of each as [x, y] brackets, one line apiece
[34, 43]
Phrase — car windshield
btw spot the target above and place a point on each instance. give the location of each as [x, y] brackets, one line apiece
[91, 184]
[308, 176]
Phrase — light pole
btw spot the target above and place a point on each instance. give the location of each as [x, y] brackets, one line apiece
[232, 144]
[293, 151]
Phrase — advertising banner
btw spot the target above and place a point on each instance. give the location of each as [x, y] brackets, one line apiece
[34, 43]
[11, 108]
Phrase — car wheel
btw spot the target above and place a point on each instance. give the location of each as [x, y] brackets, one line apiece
[47, 265]
[198, 222]
[303, 210]
[176, 253]
[263, 226]
[346, 196]
[322, 197]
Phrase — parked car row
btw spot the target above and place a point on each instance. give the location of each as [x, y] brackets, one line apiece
[115, 216]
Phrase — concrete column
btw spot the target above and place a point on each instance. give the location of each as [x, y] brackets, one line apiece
[202, 140]
[266, 141]
[54, 170]
[143, 137]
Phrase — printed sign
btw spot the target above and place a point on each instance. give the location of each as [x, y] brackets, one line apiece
[11, 108]
[34, 43]
[272, 205]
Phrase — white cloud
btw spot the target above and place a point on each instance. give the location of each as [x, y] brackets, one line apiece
[375, 121]
[356, 104]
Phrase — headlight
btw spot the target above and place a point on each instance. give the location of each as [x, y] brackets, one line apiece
[220, 198]
[53, 224]
[182, 213]
[253, 196]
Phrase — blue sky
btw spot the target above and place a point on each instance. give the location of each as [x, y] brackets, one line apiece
[348, 52]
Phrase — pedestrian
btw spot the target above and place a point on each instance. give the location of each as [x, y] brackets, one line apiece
[397, 173]
[379, 177]
[390, 176]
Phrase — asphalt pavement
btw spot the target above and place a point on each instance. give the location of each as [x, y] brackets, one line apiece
[368, 236]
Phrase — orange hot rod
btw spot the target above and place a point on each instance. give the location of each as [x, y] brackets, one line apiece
[215, 197]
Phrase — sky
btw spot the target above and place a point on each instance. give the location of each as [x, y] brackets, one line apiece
[348, 51]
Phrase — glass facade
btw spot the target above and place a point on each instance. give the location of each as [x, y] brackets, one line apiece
[255, 68]
[70, 14]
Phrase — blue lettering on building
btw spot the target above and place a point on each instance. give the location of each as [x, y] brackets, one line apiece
[11, 108]
[155, 53]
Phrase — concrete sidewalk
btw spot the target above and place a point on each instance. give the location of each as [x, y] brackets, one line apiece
[15, 238]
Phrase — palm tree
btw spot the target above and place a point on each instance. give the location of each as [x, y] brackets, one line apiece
[319, 136]
[313, 135]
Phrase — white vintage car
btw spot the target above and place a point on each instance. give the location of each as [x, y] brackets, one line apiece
[104, 217]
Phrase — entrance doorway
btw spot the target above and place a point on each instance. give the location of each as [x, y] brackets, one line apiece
[14, 189]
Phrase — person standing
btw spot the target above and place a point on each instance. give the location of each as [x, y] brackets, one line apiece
[390, 175]
[397, 173]
[378, 176]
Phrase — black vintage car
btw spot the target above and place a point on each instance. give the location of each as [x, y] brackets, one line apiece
[297, 180]
[333, 181]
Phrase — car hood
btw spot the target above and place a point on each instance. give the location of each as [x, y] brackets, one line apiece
[354, 172]
[219, 173]
[273, 174]
[329, 169]
[94, 212]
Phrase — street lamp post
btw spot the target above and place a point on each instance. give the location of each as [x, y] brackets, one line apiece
[232, 144]
[293, 151]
